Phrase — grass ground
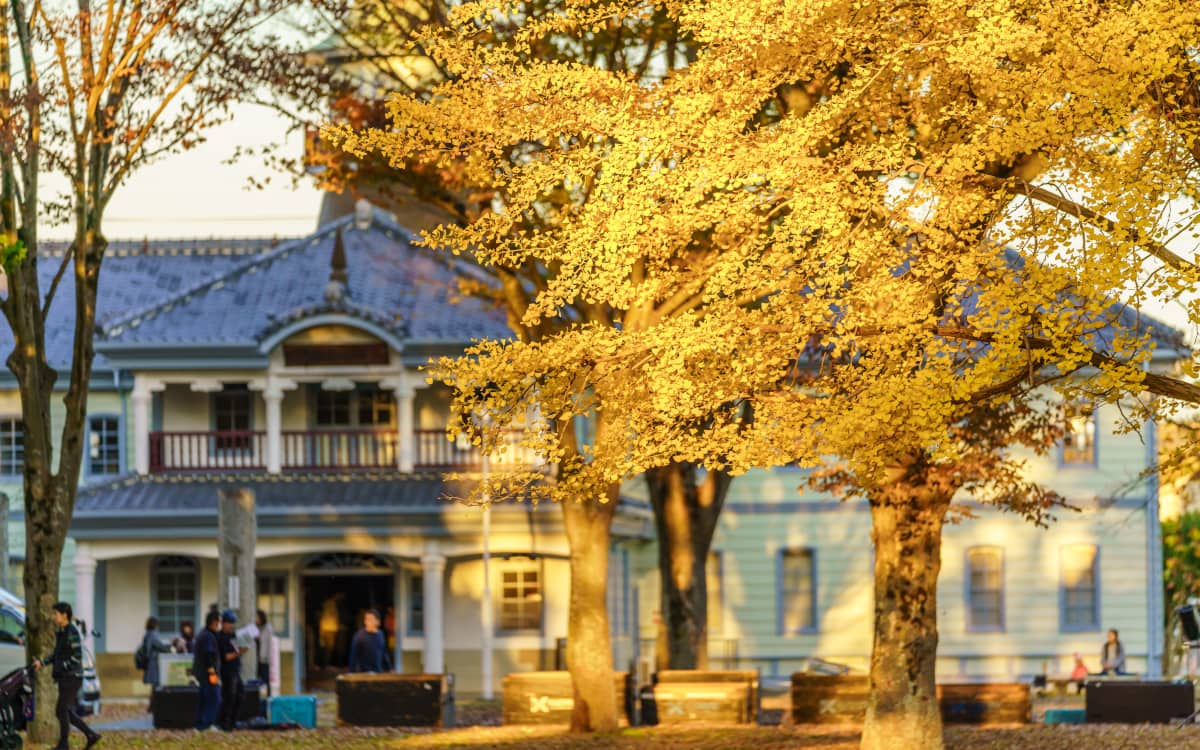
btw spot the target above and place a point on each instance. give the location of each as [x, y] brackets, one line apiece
[1033, 737]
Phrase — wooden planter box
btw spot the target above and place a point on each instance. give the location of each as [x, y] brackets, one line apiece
[819, 699]
[708, 702]
[549, 698]
[829, 699]
[985, 703]
[395, 700]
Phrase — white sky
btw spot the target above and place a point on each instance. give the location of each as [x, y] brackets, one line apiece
[195, 194]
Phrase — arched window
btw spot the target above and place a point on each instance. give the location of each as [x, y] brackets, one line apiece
[175, 587]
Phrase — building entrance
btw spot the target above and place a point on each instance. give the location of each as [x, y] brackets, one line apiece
[337, 590]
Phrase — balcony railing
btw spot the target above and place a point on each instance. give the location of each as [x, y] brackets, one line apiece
[319, 450]
[339, 449]
[435, 452]
[207, 451]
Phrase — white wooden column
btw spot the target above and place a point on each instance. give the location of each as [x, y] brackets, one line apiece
[433, 570]
[85, 590]
[406, 435]
[273, 398]
[141, 397]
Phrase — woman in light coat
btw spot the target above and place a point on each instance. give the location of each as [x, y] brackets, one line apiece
[152, 646]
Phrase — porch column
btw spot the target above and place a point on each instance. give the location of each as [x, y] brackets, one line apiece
[406, 436]
[433, 571]
[273, 398]
[141, 397]
[85, 590]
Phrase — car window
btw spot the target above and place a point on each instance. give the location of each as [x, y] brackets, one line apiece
[12, 627]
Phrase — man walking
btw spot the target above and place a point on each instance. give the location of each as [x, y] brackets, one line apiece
[67, 669]
[206, 665]
[368, 650]
[231, 671]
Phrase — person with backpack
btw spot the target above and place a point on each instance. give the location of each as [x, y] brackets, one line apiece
[146, 656]
[66, 663]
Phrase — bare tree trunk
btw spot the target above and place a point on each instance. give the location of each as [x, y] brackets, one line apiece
[589, 646]
[685, 516]
[902, 709]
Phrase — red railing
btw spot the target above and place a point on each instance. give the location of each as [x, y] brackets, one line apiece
[339, 449]
[217, 451]
[434, 451]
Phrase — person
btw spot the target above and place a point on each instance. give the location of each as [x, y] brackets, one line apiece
[206, 665]
[185, 641]
[231, 671]
[1112, 655]
[151, 646]
[328, 626]
[265, 646]
[66, 664]
[368, 650]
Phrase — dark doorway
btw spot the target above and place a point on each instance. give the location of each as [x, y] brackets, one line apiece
[334, 605]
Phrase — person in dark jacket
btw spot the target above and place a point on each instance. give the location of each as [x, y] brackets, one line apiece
[184, 643]
[66, 664]
[368, 650]
[152, 646]
[231, 671]
[206, 666]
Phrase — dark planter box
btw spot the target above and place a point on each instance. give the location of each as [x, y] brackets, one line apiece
[985, 703]
[175, 707]
[748, 677]
[829, 699]
[821, 699]
[1129, 702]
[549, 698]
[395, 700]
[708, 702]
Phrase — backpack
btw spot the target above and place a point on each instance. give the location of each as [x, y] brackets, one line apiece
[141, 659]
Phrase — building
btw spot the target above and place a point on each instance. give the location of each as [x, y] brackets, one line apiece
[293, 369]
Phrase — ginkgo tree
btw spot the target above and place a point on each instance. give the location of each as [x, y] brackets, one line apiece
[861, 218]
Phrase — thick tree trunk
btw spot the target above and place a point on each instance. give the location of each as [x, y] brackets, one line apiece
[902, 710]
[685, 516]
[589, 647]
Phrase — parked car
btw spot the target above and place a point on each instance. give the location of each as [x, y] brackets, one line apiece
[12, 650]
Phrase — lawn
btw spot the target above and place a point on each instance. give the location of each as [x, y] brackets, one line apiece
[1033, 737]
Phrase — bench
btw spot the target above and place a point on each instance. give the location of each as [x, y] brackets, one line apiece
[747, 677]
[395, 700]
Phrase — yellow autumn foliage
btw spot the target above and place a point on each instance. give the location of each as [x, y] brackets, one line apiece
[847, 218]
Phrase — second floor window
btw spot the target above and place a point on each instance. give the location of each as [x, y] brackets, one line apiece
[1079, 433]
[104, 446]
[231, 413]
[985, 588]
[333, 408]
[797, 591]
[366, 406]
[1080, 588]
[12, 447]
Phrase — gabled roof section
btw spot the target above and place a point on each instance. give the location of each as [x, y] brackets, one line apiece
[391, 283]
[136, 274]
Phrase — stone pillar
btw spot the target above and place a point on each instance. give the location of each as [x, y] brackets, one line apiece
[85, 591]
[273, 397]
[237, 533]
[406, 435]
[433, 569]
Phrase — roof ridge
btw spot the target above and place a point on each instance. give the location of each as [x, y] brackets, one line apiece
[115, 326]
[173, 246]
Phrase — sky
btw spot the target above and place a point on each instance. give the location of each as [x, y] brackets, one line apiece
[196, 194]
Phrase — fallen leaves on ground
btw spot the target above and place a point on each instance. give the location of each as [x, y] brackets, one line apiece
[1033, 737]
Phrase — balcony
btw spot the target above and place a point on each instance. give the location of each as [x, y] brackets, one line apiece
[322, 450]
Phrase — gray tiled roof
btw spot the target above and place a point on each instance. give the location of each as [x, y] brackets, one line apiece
[168, 494]
[135, 274]
[406, 289]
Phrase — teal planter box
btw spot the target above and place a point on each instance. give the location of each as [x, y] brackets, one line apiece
[1066, 716]
[298, 709]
